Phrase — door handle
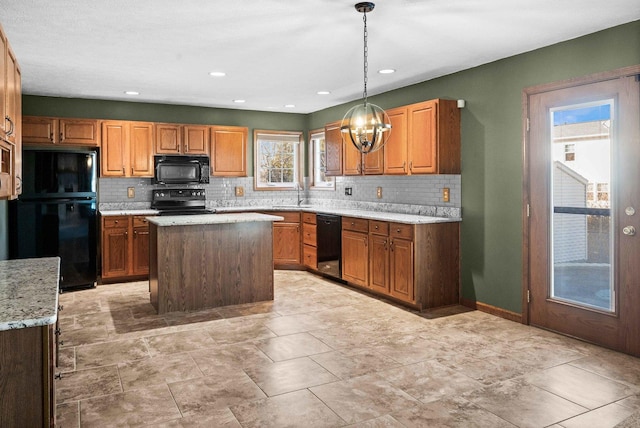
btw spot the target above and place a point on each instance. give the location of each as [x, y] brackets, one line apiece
[629, 230]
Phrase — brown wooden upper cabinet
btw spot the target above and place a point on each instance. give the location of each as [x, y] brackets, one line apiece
[333, 144]
[10, 121]
[172, 138]
[53, 130]
[229, 151]
[425, 139]
[127, 149]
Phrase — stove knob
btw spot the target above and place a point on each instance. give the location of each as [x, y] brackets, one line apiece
[157, 194]
[162, 195]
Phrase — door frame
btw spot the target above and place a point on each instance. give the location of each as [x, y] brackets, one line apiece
[633, 70]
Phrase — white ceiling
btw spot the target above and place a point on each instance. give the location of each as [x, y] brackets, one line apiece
[276, 52]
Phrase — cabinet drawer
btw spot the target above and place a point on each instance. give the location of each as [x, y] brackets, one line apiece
[310, 256]
[114, 221]
[309, 218]
[139, 221]
[309, 234]
[289, 216]
[357, 224]
[378, 227]
[399, 230]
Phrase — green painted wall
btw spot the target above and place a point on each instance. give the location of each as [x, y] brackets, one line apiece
[491, 141]
[492, 147]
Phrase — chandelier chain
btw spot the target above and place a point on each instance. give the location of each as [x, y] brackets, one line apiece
[366, 62]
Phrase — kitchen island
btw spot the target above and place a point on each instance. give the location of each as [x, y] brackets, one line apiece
[212, 260]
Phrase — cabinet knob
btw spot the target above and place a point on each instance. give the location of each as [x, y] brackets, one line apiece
[58, 376]
[376, 227]
[60, 307]
[398, 230]
[115, 222]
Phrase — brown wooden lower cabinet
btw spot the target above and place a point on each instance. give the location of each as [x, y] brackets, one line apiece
[125, 247]
[355, 251]
[27, 377]
[416, 264]
[287, 246]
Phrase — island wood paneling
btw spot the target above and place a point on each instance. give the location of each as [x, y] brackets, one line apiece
[210, 265]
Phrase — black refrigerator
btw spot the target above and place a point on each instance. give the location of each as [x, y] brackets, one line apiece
[56, 213]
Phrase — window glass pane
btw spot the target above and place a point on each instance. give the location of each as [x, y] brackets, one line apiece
[319, 162]
[581, 222]
[277, 159]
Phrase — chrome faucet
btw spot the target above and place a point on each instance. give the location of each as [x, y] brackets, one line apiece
[298, 190]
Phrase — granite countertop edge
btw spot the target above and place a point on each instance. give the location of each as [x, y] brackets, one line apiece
[203, 219]
[370, 215]
[29, 292]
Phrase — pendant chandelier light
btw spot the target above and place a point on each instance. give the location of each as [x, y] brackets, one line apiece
[366, 125]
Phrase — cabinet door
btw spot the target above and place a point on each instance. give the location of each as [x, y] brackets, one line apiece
[373, 163]
[401, 267]
[421, 138]
[115, 250]
[17, 153]
[80, 132]
[39, 130]
[114, 148]
[333, 144]
[140, 250]
[196, 140]
[286, 243]
[4, 125]
[11, 120]
[229, 151]
[379, 266]
[352, 159]
[355, 257]
[141, 149]
[168, 138]
[395, 151]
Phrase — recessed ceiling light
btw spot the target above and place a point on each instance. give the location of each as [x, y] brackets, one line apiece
[132, 92]
[217, 74]
[386, 71]
[323, 92]
[289, 105]
[239, 101]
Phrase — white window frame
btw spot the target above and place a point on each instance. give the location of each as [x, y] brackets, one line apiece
[260, 137]
[329, 183]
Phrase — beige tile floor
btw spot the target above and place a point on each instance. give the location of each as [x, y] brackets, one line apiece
[324, 355]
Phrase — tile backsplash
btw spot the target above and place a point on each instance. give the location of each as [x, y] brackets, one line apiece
[417, 194]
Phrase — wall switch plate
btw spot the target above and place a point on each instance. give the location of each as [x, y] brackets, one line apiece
[445, 194]
[131, 192]
[239, 191]
[379, 192]
[348, 191]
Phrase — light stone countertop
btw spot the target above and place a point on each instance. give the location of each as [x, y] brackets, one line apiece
[128, 212]
[188, 220]
[29, 292]
[345, 212]
[368, 214]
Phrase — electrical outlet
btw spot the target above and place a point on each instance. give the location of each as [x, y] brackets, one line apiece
[379, 192]
[348, 191]
[131, 192]
[445, 194]
[239, 191]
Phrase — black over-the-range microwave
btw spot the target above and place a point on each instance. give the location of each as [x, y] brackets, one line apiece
[178, 169]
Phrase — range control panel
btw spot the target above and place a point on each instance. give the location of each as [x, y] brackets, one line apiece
[179, 194]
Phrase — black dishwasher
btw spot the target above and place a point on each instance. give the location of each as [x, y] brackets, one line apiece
[329, 244]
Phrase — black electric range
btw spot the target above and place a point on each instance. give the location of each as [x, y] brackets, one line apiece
[180, 202]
